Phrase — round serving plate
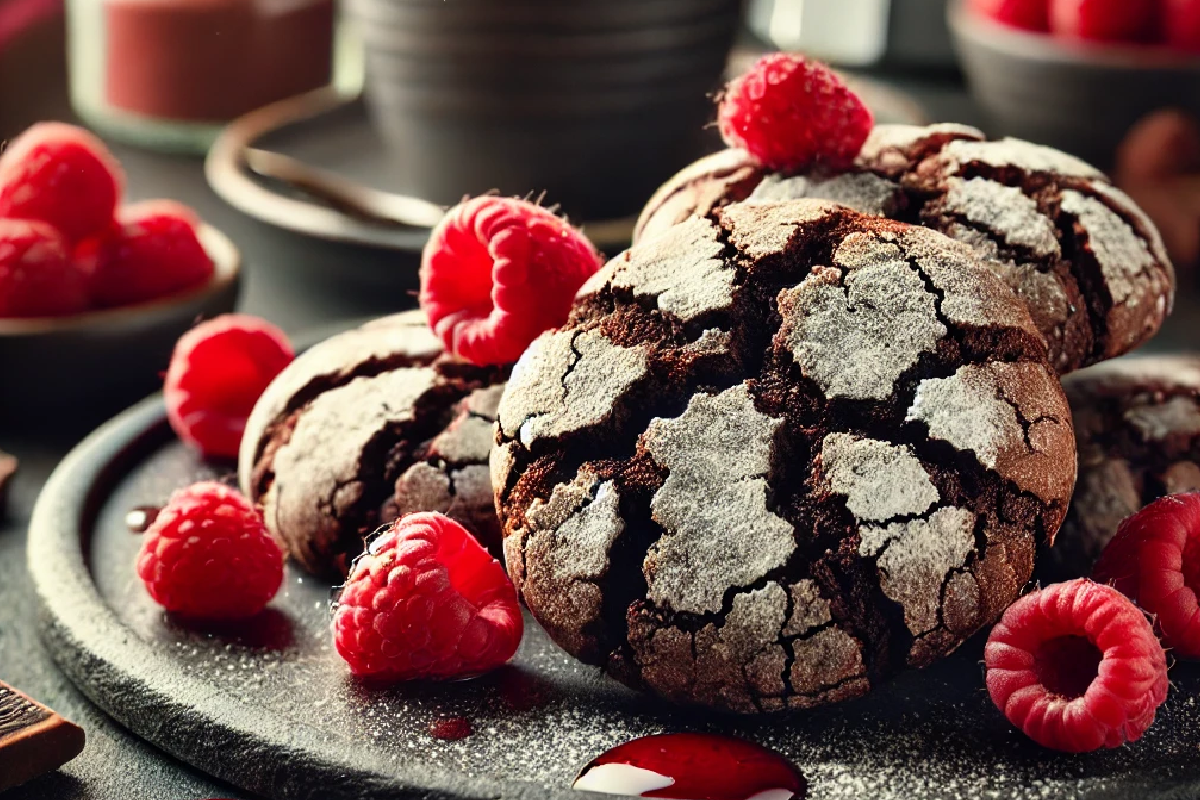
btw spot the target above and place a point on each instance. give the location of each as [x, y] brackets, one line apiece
[267, 704]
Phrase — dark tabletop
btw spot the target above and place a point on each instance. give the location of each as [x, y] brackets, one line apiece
[289, 280]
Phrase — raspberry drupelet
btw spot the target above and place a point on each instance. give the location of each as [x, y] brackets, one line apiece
[1076, 667]
[37, 276]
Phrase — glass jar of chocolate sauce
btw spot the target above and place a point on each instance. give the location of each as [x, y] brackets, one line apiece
[169, 73]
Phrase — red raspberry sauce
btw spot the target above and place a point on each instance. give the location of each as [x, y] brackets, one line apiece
[693, 766]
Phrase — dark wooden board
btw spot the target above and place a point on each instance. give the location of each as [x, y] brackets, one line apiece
[269, 707]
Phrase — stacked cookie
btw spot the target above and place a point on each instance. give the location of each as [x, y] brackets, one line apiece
[1090, 266]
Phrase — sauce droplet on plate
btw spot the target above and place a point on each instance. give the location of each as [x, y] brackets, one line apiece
[451, 729]
[693, 766]
[140, 518]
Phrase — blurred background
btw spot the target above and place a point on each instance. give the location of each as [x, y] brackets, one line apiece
[324, 137]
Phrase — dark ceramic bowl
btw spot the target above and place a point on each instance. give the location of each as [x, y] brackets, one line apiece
[87, 367]
[1082, 98]
[591, 104]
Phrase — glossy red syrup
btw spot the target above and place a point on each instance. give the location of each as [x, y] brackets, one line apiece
[693, 766]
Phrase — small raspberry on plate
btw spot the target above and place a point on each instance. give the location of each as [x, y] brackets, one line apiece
[63, 175]
[218, 371]
[207, 555]
[152, 251]
[497, 272]
[1029, 15]
[791, 113]
[1076, 667]
[426, 601]
[1105, 20]
[1154, 559]
[37, 277]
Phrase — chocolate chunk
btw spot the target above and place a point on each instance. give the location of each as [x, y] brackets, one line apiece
[33, 739]
[776, 490]
[363, 428]
[1137, 427]
[1087, 262]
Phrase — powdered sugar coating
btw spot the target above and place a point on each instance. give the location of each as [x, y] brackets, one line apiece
[718, 454]
[668, 270]
[760, 229]
[879, 480]
[856, 335]
[1008, 415]
[1178, 416]
[1017, 153]
[864, 192]
[1005, 210]
[1121, 253]
[914, 556]
[574, 380]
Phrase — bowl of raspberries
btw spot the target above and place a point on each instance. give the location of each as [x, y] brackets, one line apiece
[94, 291]
[1079, 74]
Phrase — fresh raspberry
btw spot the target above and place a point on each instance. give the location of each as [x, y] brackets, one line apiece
[208, 555]
[37, 276]
[218, 371]
[1105, 20]
[63, 175]
[497, 272]
[790, 114]
[153, 250]
[1181, 22]
[1029, 15]
[426, 601]
[1154, 559]
[1076, 667]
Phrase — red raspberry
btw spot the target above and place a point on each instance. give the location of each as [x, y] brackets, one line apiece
[208, 555]
[1029, 15]
[1076, 667]
[426, 601]
[1182, 24]
[152, 251]
[497, 272]
[218, 371]
[791, 113]
[1105, 20]
[37, 277]
[1154, 559]
[63, 175]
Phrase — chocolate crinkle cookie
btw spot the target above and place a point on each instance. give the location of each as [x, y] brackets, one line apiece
[365, 427]
[778, 455]
[1137, 428]
[1089, 264]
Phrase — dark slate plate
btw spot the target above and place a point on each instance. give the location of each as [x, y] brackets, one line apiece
[268, 706]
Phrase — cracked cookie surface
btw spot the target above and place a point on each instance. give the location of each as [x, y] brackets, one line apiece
[825, 452]
[367, 426]
[1086, 261]
[1137, 428]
